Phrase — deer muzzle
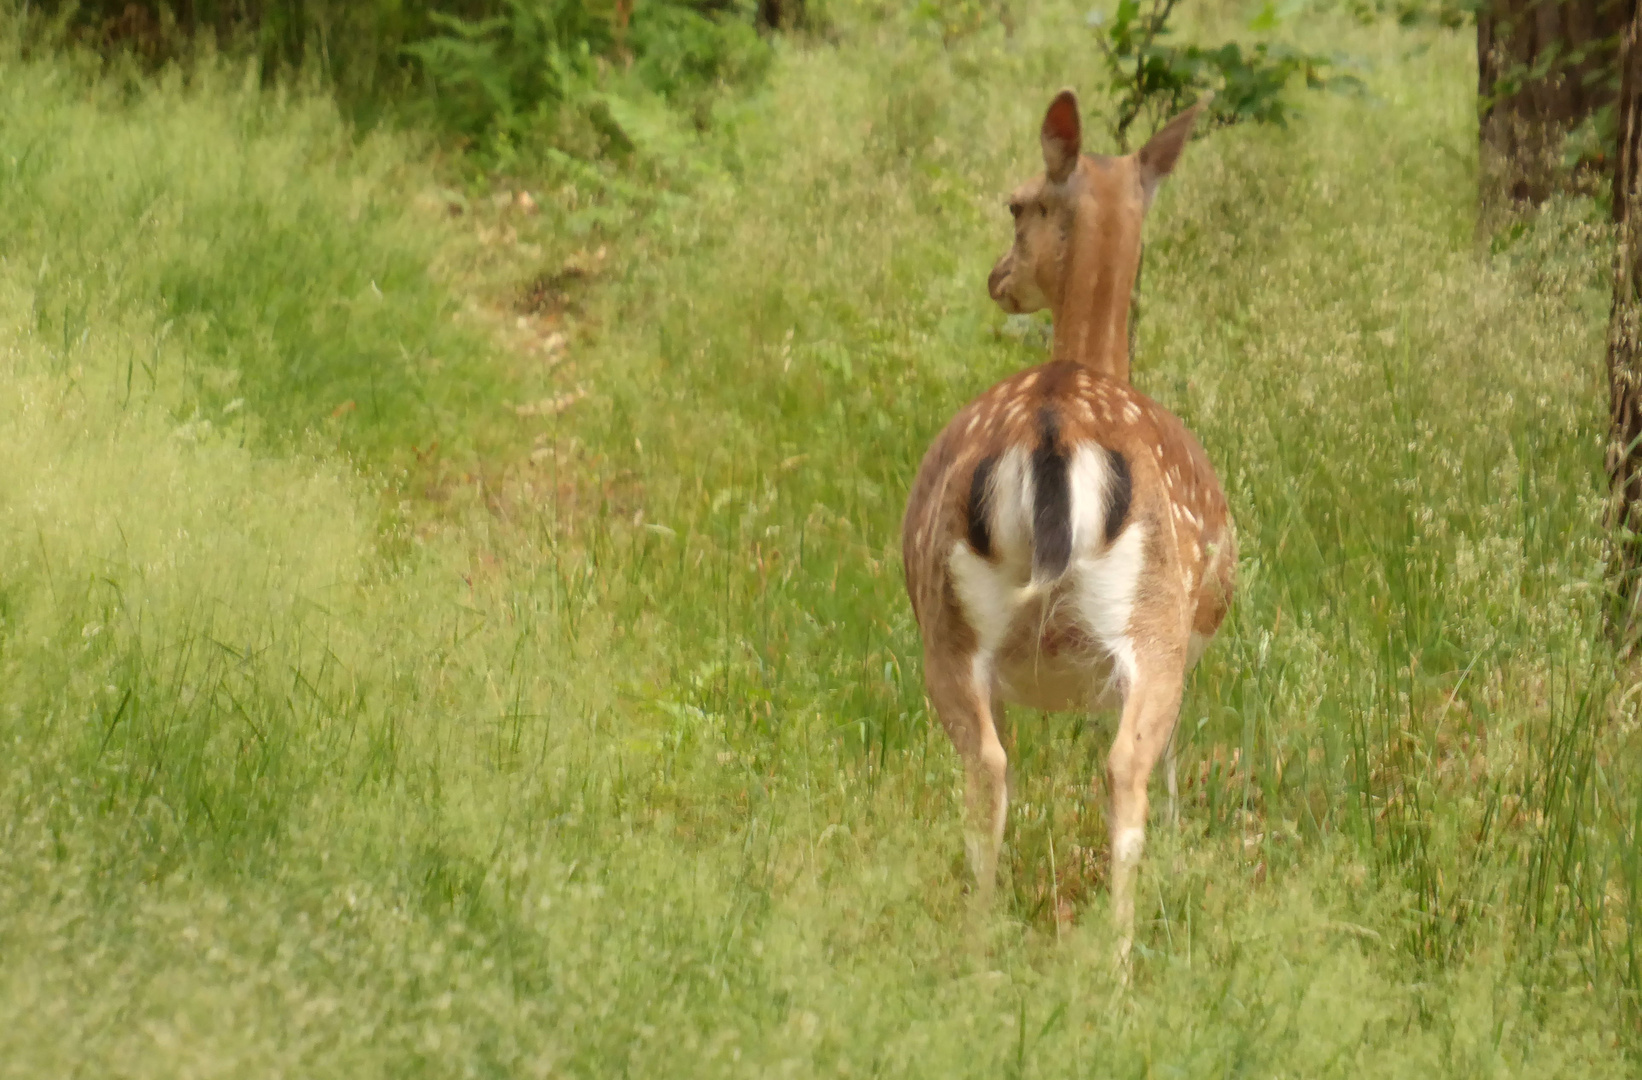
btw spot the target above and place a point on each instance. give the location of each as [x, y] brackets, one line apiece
[996, 282]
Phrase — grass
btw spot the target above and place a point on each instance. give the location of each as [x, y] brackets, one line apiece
[593, 742]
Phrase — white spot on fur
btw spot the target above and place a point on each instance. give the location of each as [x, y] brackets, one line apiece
[1127, 846]
[980, 672]
[1124, 666]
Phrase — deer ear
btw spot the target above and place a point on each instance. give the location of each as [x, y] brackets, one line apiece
[1062, 137]
[1158, 156]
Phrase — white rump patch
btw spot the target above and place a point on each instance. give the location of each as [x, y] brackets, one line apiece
[1010, 514]
[1102, 579]
[1091, 478]
[992, 590]
[1105, 594]
[988, 597]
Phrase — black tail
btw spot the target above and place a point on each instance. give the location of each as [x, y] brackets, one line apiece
[1051, 502]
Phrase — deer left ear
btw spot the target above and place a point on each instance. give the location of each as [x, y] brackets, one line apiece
[1062, 137]
[1158, 156]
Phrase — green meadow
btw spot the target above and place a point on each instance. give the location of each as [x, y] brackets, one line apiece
[444, 634]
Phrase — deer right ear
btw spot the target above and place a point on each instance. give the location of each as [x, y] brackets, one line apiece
[1158, 156]
[1062, 137]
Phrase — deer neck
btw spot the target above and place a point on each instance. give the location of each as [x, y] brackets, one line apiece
[1092, 319]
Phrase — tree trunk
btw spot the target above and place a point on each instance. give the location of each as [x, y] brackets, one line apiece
[1543, 67]
[1624, 457]
[781, 14]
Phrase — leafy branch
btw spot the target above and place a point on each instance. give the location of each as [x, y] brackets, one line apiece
[1154, 79]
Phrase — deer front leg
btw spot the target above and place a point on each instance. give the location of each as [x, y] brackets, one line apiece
[1149, 713]
[962, 692]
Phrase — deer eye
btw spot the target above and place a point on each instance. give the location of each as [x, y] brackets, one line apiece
[1015, 209]
[1043, 210]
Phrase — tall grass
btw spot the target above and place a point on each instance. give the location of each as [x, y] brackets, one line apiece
[616, 760]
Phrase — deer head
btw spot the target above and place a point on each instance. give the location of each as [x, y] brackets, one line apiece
[1077, 236]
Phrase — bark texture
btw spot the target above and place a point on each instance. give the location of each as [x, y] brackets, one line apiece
[1624, 458]
[1543, 67]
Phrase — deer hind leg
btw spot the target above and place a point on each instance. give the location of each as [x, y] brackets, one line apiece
[962, 692]
[1171, 759]
[1149, 712]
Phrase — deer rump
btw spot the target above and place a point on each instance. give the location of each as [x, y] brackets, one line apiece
[1048, 569]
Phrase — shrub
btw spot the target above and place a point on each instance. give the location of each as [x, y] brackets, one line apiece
[496, 78]
[494, 68]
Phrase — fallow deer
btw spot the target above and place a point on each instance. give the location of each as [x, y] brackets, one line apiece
[1067, 544]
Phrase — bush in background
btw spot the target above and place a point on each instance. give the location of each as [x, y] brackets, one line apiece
[492, 68]
[497, 79]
